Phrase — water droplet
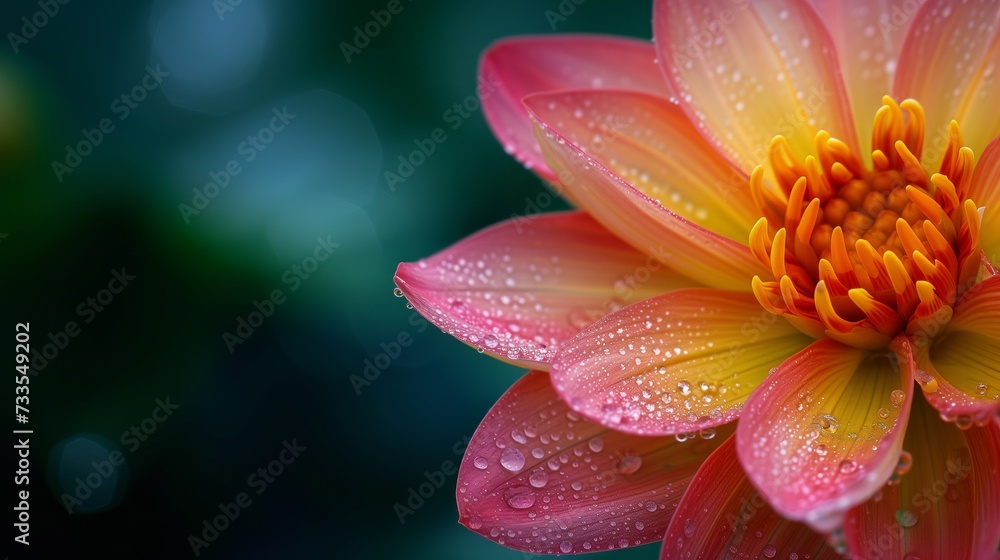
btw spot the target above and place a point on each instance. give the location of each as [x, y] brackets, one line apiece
[905, 463]
[475, 522]
[708, 433]
[963, 422]
[981, 389]
[883, 413]
[847, 467]
[596, 444]
[512, 459]
[897, 397]
[821, 450]
[639, 525]
[519, 497]
[518, 436]
[906, 518]
[828, 423]
[491, 341]
[689, 528]
[566, 547]
[769, 551]
[926, 381]
[629, 464]
[685, 387]
[538, 479]
[398, 292]
[480, 463]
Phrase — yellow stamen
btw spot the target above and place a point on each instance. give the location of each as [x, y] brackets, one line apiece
[880, 249]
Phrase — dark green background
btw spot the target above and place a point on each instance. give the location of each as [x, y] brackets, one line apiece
[162, 335]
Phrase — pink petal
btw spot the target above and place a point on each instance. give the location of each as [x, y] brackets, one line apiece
[868, 35]
[650, 143]
[824, 432]
[740, 68]
[538, 478]
[514, 68]
[948, 63]
[964, 358]
[676, 363]
[644, 223]
[947, 507]
[722, 516]
[519, 289]
[985, 191]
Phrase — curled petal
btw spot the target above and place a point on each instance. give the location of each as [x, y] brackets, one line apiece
[514, 68]
[824, 432]
[962, 357]
[675, 363]
[519, 289]
[536, 477]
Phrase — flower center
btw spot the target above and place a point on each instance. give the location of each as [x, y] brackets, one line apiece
[867, 252]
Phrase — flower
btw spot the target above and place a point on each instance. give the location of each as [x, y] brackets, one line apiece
[726, 338]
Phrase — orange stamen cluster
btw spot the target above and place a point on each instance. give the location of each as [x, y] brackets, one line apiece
[866, 253]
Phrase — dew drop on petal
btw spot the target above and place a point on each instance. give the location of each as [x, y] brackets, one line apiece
[565, 547]
[397, 292]
[596, 444]
[906, 518]
[769, 551]
[512, 459]
[519, 497]
[480, 463]
[905, 463]
[475, 522]
[491, 341]
[539, 479]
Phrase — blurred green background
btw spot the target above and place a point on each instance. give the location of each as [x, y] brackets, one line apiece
[113, 116]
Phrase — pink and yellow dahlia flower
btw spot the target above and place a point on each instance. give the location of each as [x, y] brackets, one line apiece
[772, 329]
